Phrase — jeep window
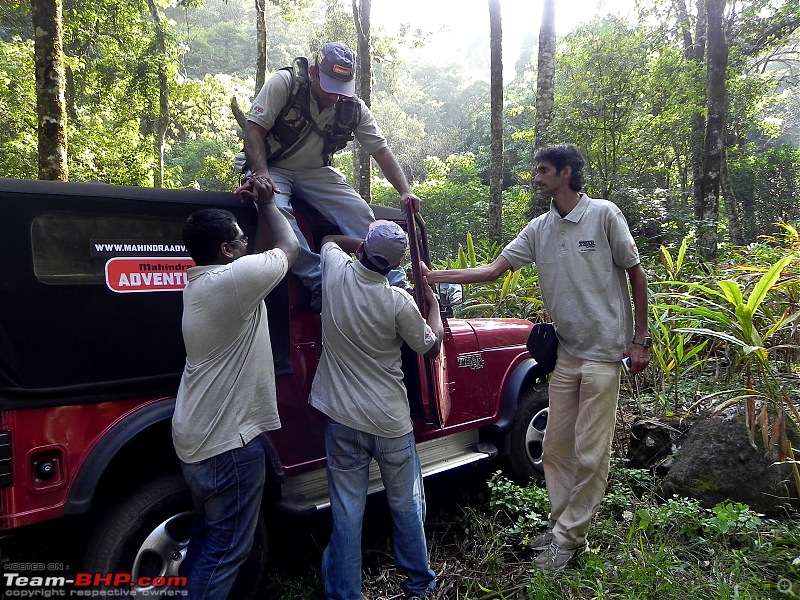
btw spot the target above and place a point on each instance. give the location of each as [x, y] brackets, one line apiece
[74, 248]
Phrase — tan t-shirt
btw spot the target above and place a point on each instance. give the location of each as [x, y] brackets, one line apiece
[307, 154]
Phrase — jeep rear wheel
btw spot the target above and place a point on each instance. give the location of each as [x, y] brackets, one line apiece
[147, 535]
[527, 434]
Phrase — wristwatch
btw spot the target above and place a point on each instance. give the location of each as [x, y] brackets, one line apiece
[644, 341]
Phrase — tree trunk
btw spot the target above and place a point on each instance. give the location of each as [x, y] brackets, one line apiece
[545, 92]
[261, 44]
[735, 229]
[496, 94]
[162, 120]
[707, 218]
[362, 175]
[50, 105]
[694, 52]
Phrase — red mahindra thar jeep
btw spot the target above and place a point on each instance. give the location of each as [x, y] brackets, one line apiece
[91, 356]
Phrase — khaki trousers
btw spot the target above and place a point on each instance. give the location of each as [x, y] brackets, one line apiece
[577, 443]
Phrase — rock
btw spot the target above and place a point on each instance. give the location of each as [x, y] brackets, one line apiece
[653, 443]
[716, 463]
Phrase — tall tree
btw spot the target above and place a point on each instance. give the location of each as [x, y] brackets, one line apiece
[707, 204]
[161, 122]
[261, 44]
[496, 95]
[362, 176]
[50, 83]
[545, 92]
[600, 93]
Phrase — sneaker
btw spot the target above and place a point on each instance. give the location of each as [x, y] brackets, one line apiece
[542, 542]
[556, 558]
[316, 300]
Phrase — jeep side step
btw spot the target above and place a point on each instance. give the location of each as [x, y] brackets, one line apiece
[309, 491]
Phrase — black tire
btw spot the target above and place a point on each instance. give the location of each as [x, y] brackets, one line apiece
[147, 534]
[530, 422]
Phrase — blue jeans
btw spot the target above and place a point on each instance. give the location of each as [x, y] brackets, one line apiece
[327, 191]
[226, 491]
[349, 454]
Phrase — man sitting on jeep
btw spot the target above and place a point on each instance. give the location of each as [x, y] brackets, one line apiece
[302, 115]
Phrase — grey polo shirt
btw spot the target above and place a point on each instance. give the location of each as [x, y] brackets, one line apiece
[359, 380]
[581, 261]
[227, 392]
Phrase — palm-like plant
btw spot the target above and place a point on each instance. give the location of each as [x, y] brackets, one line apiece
[513, 295]
[753, 330]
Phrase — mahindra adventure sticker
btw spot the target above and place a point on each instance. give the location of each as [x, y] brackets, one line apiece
[140, 274]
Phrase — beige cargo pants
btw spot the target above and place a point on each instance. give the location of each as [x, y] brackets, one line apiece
[577, 443]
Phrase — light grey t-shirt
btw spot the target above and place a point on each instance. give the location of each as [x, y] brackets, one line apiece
[359, 380]
[307, 154]
[581, 261]
[227, 391]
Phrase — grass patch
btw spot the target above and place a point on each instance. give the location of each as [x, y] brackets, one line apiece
[641, 548]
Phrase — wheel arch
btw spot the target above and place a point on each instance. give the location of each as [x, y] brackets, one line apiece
[526, 373]
[110, 447]
[135, 450]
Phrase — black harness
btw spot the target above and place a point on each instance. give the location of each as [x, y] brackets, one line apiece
[295, 122]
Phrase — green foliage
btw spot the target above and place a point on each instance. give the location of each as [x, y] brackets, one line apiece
[598, 93]
[766, 183]
[640, 547]
[18, 137]
[726, 522]
[455, 201]
[677, 516]
[733, 519]
[526, 507]
[513, 295]
[626, 489]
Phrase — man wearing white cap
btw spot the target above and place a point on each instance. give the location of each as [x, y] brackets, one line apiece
[302, 115]
[359, 387]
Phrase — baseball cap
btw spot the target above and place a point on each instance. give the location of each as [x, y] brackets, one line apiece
[385, 243]
[337, 65]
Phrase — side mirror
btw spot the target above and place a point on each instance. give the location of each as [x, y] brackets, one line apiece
[450, 294]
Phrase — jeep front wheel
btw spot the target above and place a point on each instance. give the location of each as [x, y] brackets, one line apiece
[527, 434]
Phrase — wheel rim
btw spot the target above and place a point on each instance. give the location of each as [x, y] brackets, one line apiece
[163, 551]
[534, 435]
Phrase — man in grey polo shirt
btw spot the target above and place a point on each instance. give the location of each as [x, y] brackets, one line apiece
[585, 255]
[301, 116]
[359, 387]
[227, 399]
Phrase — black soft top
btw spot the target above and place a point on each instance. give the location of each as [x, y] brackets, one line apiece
[65, 337]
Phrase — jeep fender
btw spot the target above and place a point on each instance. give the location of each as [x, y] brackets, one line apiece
[91, 471]
[525, 373]
[83, 487]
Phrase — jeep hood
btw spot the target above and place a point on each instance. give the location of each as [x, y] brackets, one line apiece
[500, 333]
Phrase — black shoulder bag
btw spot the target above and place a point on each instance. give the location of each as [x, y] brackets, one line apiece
[543, 345]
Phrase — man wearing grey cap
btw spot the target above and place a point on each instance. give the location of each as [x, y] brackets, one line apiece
[359, 387]
[300, 118]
